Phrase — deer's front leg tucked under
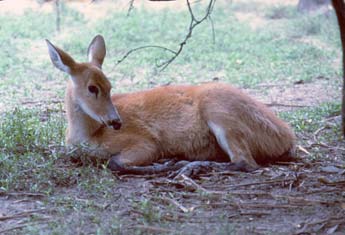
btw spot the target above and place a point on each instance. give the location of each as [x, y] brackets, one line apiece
[156, 168]
[139, 159]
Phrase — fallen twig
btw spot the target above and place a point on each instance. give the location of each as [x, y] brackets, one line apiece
[255, 213]
[152, 229]
[322, 191]
[286, 105]
[331, 221]
[181, 207]
[263, 205]
[317, 132]
[302, 201]
[323, 145]
[6, 230]
[302, 149]
[22, 214]
[198, 187]
[43, 102]
[330, 183]
[264, 182]
[22, 194]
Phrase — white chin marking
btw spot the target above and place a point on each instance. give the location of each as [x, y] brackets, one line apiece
[89, 112]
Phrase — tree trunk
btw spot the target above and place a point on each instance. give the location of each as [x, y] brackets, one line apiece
[339, 7]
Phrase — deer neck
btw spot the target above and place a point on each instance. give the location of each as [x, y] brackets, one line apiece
[81, 127]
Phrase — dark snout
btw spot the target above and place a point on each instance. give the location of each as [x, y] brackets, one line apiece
[115, 123]
[113, 118]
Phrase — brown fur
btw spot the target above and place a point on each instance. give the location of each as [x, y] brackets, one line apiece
[175, 121]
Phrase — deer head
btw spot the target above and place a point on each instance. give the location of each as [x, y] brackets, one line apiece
[90, 89]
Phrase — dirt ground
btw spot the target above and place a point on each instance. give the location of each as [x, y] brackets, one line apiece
[303, 197]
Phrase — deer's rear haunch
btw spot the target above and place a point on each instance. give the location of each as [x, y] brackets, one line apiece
[212, 121]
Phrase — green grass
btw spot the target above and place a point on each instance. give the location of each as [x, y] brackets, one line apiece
[310, 119]
[239, 55]
[32, 148]
[307, 122]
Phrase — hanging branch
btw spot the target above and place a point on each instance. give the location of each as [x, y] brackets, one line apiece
[131, 4]
[131, 7]
[193, 23]
[143, 47]
[339, 7]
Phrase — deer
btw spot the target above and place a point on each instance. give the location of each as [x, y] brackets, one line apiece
[211, 122]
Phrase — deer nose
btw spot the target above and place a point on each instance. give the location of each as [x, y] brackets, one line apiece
[115, 123]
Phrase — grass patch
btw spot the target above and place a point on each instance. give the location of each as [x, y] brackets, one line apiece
[310, 119]
[314, 128]
[33, 154]
[239, 55]
[28, 143]
[26, 129]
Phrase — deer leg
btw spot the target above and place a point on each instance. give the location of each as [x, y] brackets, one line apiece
[117, 166]
[198, 167]
[237, 151]
[139, 159]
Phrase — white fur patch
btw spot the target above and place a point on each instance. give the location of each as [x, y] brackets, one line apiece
[220, 135]
[90, 112]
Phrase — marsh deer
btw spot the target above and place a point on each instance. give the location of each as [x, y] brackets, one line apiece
[210, 122]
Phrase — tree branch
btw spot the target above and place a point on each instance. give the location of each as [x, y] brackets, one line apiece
[193, 23]
[141, 48]
[131, 7]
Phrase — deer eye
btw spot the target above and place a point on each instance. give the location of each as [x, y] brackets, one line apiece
[93, 90]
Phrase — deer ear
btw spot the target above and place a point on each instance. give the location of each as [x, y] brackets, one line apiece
[97, 51]
[60, 59]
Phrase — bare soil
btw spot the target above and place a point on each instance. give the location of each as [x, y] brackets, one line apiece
[304, 197]
[288, 97]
